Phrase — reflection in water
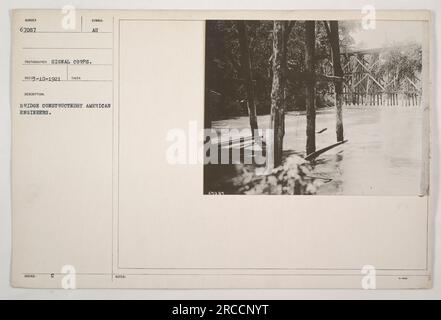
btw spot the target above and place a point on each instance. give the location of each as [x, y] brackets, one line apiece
[383, 155]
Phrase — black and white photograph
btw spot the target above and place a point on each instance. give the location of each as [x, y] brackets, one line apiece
[315, 107]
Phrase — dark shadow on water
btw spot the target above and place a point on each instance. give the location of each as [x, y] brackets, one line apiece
[220, 178]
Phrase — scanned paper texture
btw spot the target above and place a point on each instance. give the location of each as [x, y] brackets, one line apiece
[196, 149]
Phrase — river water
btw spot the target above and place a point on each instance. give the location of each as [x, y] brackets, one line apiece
[383, 154]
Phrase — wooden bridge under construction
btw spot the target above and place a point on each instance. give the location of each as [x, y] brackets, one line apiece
[365, 84]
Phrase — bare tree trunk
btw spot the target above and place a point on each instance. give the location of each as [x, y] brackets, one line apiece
[245, 62]
[288, 26]
[278, 90]
[338, 71]
[310, 85]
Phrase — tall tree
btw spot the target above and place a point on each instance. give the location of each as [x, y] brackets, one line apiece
[310, 85]
[287, 27]
[278, 90]
[245, 62]
[334, 39]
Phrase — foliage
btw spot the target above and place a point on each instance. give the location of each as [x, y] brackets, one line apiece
[292, 177]
[401, 62]
[225, 90]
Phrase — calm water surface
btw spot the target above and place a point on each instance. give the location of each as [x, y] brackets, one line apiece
[383, 155]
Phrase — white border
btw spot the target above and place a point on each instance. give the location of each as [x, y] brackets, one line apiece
[5, 218]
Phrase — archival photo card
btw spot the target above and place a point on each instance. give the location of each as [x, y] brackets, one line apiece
[134, 132]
